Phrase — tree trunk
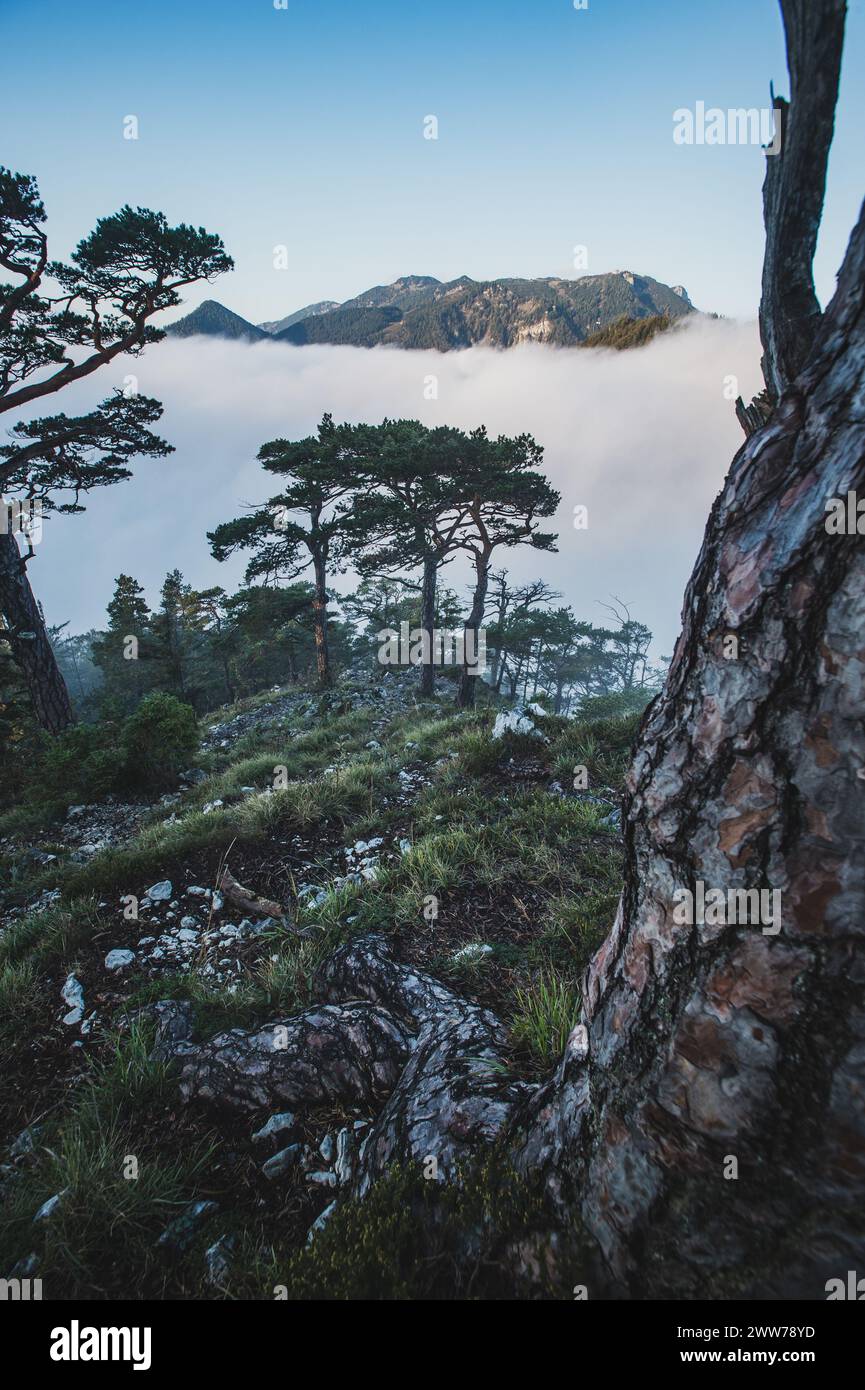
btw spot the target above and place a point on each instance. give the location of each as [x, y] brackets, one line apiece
[494, 667]
[427, 619]
[466, 692]
[705, 1043]
[319, 610]
[706, 1120]
[24, 630]
[794, 187]
[230, 691]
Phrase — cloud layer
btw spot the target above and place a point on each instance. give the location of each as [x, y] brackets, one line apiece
[642, 438]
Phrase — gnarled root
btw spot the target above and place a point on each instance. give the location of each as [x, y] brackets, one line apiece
[454, 1093]
[388, 1036]
[353, 1053]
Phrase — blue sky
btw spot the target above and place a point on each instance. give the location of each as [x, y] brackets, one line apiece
[303, 127]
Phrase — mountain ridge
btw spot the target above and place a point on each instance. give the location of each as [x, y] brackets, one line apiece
[419, 311]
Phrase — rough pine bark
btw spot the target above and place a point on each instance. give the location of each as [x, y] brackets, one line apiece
[24, 630]
[454, 1094]
[353, 1054]
[704, 1043]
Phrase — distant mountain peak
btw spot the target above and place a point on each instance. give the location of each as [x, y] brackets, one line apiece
[410, 281]
[213, 320]
[419, 311]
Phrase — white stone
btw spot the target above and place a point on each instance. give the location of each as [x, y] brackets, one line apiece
[514, 721]
[476, 950]
[277, 1124]
[119, 958]
[72, 994]
[160, 892]
[323, 1178]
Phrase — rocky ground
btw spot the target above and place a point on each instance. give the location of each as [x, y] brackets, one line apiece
[350, 938]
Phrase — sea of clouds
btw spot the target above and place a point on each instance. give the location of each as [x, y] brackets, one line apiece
[642, 438]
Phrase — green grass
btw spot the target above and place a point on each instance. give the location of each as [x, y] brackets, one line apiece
[337, 797]
[545, 1011]
[101, 1242]
[602, 746]
[486, 830]
[46, 938]
[19, 994]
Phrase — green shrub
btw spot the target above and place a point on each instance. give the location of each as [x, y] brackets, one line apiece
[158, 739]
[81, 764]
[617, 705]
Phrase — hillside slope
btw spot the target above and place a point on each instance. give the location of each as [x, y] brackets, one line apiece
[466, 855]
[307, 312]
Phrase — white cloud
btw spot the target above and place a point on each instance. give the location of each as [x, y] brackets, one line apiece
[642, 438]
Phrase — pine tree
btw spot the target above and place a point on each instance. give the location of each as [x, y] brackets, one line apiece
[504, 497]
[303, 526]
[122, 651]
[128, 269]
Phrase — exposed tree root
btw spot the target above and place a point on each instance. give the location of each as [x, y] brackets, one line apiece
[353, 1053]
[454, 1094]
[389, 1036]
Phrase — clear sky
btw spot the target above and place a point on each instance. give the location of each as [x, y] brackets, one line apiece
[303, 127]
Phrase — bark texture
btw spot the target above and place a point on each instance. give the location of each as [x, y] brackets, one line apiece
[24, 630]
[467, 687]
[454, 1094]
[352, 1054]
[319, 614]
[392, 1039]
[704, 1042]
